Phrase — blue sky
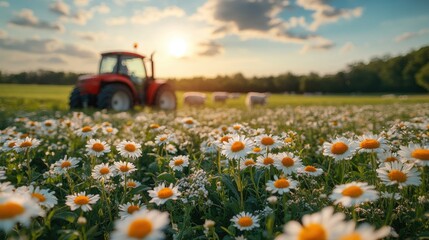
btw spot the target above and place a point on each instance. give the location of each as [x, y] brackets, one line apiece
[210, 37]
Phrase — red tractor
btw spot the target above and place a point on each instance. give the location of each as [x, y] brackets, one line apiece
[121, 83]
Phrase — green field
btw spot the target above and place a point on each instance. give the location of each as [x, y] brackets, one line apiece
[48, 97]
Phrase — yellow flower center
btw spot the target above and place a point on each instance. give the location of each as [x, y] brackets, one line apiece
[310, 169]
[98, 147]
[339, 148]
[140, 228]
[11, 144]
[268, 161]
[39, 196]
[154, 125]
[66, 164]
[129, 147]
[352, 236]
[352, 191]
[178, 162]
[189, 121]
[48, 124]
[26, 144]
[10, 210]
[245, 221]
[313, 231]
[256, 149]
[81, 200]
[370, 144]
[391, 159]
[396, 175]
[104, 170]
[237, 146]
[24, 135]
[421, 154]
[249, 162]
[109, 129]
[267, 141]
[162, 139]
[165, 193]
[224, 129]
[281, 183]
[86, 129]
[288, 162]
[132, 209]
[288, 140]
[131, 184]
[124, 168]
[236, 127]
[224, 139]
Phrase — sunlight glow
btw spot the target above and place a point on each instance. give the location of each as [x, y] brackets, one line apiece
[177, 47]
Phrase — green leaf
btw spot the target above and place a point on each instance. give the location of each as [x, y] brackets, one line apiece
[230, 185]
[67, 216]
[166, 177]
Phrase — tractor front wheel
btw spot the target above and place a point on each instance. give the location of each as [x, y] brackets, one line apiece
[115, 96]
[166, 98]
[75, 100]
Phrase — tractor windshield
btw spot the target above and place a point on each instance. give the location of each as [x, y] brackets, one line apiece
[108, 64]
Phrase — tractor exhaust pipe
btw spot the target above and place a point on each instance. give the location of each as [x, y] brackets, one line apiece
[152, 65]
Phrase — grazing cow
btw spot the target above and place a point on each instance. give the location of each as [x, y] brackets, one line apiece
[254, 98]
[220, 97]
[194, 98]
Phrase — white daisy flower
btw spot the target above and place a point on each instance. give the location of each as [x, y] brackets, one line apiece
[221, 140]
[129, 149]
[131, 183]
[387, 156]
[399, 173]
[321, 225]
[287, 162]
[124, 168]
[17, 208]
[108, 130]
[9, 145]
[247, 162]
[281, 185]
[265, 161]
[416, 153]
[65, 164]
[163, 139]
[103, 171]
[258, 151]
[237, 147]
[363, 232]
[171, 149]
[86, 131]
[2, 174]
[372, 143]
[268, 141]
[310, 171]
[6, 187]
[162, 194]
[245, 221]
[44, 197]
[354, 193]
[81, 200]
[189, 122]
[143, 224]
[49, 125]
[179, 162]
[128, 209]
[26, 144]
[340, 149]
[95, 147]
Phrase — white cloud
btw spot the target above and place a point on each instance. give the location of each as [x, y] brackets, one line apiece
[347, 47]
[4, 4]
[409, 35]
[116, 21]
[26, 18]
[153, 14]
[91, 36]
[102, 8]
[60, 8]
[123, 2]
[210, 48]
[52, 60]
[318, 44]
[81, 2]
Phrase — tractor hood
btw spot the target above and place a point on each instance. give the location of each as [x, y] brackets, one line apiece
[87, 77]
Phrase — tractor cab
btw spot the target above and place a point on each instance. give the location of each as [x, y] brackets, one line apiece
[122, 82]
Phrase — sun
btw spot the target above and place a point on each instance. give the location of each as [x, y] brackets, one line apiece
[177, 47]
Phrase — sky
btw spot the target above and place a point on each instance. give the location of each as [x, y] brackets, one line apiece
[210, 37]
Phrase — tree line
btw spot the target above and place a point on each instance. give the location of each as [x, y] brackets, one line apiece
[401, 74]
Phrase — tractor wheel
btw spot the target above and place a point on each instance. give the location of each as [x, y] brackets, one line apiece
[75, 100]
[165, 99]
[115, 96]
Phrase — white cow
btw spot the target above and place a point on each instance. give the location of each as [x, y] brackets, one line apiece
[254, 98]
[220, 96]
[194, 98]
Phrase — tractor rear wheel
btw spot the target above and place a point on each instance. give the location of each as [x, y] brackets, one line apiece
[166, 98]
[75, 100]
[115, 96]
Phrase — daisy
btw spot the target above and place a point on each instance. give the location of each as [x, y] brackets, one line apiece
[6, 187]
[267, 141]
[221, 140]
[129, 149]
[280, 185]
[416, 153]
[237, 147]
[81, 200]
[399, 173]
[162, 194]
[86, 131]
[163, 139]
[364, 231]
[2, 174]
[124, 168]
[49, 125]
[103, 171]
[131, 183]
[354, 193]
[156, 127]
[265, 161]
[171, 149]
[65, 164]
[387, 156]
[17, 207]
[95, 147]
[340, 149]
[179, 162]
[245, 221]
[245, 163]
[26, 144]
[287, 162]
[321, 225]
[372, 143]
[9, 145]
[310, 171]
[127, 209]
[109, 130]
[258, 150]
[189, 122]
[235, 128]
[143, 224]
[44, 197]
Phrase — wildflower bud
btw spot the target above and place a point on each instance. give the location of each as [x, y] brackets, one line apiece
[209, 223]
[272, 200]
[81, 221]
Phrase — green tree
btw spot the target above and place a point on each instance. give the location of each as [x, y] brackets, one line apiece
[423, 77]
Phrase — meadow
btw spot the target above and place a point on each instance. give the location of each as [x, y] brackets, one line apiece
[301, 167]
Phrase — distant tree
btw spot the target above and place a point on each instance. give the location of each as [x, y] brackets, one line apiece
[423, 77]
